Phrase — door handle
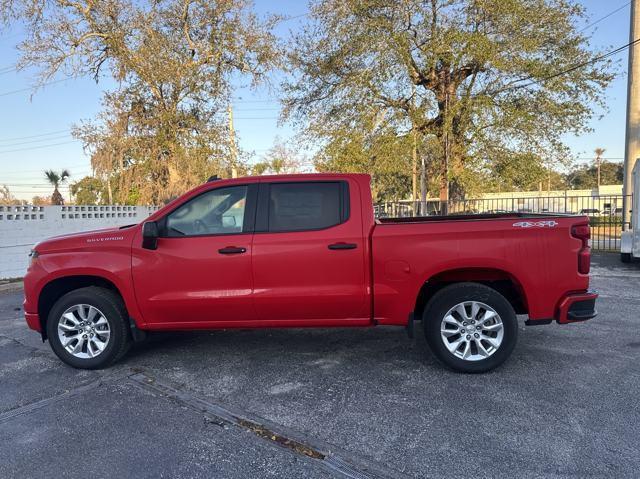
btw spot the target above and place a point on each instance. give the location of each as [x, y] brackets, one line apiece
[343, 246]
[232, 250]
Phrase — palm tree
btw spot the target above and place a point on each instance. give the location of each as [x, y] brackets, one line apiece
[56, 179]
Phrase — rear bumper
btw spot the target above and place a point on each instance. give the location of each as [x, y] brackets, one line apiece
[577, 307]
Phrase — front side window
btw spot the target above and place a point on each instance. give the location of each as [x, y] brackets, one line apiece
[304, 206]
[215, 212]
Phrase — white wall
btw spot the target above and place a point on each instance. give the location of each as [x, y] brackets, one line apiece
[23, 226]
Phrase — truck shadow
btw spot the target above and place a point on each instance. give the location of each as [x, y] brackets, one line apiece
[380, 344]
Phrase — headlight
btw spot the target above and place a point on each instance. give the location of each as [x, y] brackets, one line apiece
[33, 256]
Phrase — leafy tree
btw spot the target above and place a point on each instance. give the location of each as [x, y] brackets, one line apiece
[164, 128]
[475, 75]
[586, 176]
[383, 154]
[56, 179]
[89, 191]
[523, 172]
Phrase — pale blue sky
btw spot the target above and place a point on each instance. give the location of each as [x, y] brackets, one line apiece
[34, 129]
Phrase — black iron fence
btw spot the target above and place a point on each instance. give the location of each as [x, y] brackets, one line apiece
[604, 211]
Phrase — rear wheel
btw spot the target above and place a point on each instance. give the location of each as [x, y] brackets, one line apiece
[88, 328]
[470, 327]
[625, 257]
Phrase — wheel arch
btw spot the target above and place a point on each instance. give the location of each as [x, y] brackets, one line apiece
[500, 280]
[58, 287]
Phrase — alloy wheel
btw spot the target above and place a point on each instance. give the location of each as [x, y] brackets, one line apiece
[83, 331]
[472, 330]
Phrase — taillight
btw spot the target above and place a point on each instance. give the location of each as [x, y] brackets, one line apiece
[583, 233]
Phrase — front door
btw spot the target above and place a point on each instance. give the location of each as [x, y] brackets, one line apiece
[201, 270]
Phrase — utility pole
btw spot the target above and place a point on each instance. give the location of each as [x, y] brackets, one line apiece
[444, 180]
[632, 140]
[414, 173]
[232, 144]
[599, 152]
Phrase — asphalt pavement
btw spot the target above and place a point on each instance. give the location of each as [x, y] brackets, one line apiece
[330, 402]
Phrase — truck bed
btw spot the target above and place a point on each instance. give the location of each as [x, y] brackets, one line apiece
[535, 251]
[472, 217]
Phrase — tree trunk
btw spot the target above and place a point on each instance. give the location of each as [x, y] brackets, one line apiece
[444, 186]
[446, 151]
[56, 197]
[109, 190]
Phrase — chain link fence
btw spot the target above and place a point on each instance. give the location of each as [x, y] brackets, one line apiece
[604, 211]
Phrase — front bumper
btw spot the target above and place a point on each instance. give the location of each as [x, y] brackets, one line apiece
[577, 307]
[33, 321]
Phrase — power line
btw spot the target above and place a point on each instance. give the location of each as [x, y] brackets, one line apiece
[604, 18]
[85, 165]
[31, 88]
[570, 69]
[35, 136]
[39, 140]
[32, 179]
[27, 185]
[239, 100]
[38, 147]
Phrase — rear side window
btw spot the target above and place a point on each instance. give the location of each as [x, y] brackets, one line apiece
[305, 206]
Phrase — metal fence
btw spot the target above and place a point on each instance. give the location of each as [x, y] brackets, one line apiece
[604, 211]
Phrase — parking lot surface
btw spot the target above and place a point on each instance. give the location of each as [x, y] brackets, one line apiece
[330, 403]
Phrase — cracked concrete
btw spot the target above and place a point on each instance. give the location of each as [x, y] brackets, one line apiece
[565, 405]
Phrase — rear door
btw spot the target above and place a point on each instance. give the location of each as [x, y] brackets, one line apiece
[308, 252]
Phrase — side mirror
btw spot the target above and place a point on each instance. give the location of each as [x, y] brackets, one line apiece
[150, 235]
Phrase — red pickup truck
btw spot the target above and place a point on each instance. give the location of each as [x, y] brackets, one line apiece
[306, 251]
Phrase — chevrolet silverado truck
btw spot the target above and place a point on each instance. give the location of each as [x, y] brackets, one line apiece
[306, 251]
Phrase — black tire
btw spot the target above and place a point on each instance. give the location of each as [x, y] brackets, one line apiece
[450, 296]
[114, 311]
[625, 257]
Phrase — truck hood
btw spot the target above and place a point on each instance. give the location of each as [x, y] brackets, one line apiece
[86, 239]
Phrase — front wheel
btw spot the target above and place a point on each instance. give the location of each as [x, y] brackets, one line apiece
[88, 328]
[470, 327]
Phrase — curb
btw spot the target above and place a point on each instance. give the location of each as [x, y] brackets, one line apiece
[13, 286]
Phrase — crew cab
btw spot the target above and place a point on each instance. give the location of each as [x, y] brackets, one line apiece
[306, 251]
